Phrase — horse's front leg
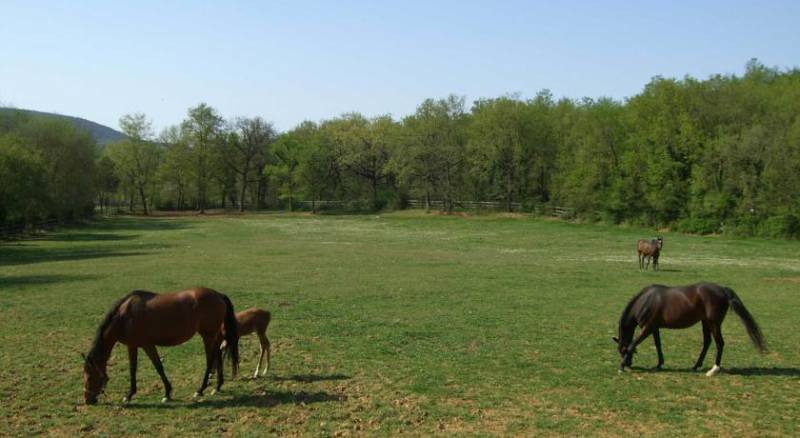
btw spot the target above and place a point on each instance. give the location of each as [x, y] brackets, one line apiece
[628, 359]
[133, 355]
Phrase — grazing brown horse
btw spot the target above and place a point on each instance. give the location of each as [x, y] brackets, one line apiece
[679, 307]
[649, 249]
[145, 320]
[254, 320]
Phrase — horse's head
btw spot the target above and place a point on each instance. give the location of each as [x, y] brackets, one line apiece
[660, 241]
[624, 350]
[95, 379]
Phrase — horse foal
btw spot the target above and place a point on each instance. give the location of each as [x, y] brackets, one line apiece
[255, 320]
[649, 249]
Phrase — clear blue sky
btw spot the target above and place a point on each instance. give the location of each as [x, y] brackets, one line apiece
[295, 60]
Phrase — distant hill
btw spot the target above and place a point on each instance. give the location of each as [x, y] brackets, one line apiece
[102, 134]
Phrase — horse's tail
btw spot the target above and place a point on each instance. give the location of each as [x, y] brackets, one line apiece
[749, 322]
[231, 334]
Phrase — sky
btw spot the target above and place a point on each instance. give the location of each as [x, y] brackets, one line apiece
[289, 61]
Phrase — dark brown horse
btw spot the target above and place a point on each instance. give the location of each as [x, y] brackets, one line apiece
[145, 320]
[649, 249]
[255, 320]
[657, 306]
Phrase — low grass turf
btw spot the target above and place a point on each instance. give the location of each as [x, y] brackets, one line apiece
[407, 322]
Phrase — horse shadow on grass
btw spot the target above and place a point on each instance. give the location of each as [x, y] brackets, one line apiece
[309, 378]
[265, 399]
[763, 371]
[745, 371]
[262, 398]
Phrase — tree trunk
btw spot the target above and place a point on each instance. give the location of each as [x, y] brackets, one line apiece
[262, 192]
[243, 192]
[144, 199]
[509, 189]
[427, 199]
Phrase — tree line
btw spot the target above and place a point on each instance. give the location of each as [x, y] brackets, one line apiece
[720, 155]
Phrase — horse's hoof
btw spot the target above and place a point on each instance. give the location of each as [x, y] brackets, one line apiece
[125, 400]
[197, 395]
[165, 399]
[215, 391]
[713, 371]
[621, 371]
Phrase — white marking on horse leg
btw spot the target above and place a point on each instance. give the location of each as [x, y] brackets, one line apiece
[165, 399]
[714, 370]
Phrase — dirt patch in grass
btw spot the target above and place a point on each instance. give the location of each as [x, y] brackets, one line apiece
[794, 280]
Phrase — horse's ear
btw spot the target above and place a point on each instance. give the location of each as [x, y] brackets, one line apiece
[615, 339]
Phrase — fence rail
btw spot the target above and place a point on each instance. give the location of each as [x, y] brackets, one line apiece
[545, 210]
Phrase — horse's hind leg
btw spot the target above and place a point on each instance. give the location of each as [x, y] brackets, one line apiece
[265, 349]
[152, 353]
[211, 355]
[220, 374]
[657, 340]
[706, 344]
[716, 332]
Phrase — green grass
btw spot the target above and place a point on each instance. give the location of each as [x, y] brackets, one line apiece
[400, 322]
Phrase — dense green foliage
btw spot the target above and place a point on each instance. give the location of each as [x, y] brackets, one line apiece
[701, 156]
[47, 169]
[425, 324]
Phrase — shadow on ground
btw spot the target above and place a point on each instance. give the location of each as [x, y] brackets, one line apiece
[24, 254]
[32, 280]
[747, 371]
[139, 224]
[310, 378]
[266, 399]
[763, 371]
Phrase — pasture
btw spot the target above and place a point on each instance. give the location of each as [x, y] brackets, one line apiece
[424, 324]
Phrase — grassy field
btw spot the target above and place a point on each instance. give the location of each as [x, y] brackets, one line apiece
[402, 322]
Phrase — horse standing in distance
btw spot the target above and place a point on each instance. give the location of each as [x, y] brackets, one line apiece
[649, 249]
[254, 320]
[679, 307]
[145, 320]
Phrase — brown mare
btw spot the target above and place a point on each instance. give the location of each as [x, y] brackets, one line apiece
[649, 249]
[680, 307]
[145, 320]
[254, 320]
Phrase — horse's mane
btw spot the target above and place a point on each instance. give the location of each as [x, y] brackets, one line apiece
[628, 309]
[108, 319]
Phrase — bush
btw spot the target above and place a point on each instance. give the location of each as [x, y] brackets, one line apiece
[698, 225]
[784, 225]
